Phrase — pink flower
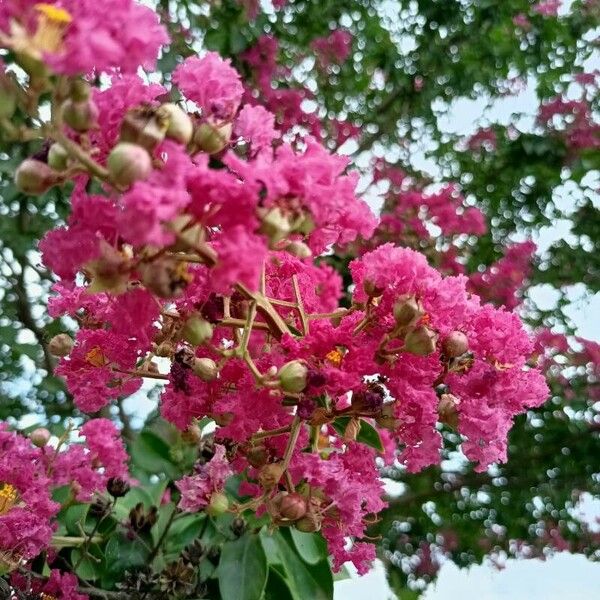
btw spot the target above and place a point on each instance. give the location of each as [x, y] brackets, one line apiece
[334, 48]
[502, 282]
[211, 83]
[547, 8]
[522, 22]
[92, 219]
[256, 126]
[93, 370]
[25, 506]
[197, 489]
[89, 466]
[240, 256]
[95, 36]
[61, 586]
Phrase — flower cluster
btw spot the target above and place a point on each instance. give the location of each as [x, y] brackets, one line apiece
[193, 264]
[30, 469]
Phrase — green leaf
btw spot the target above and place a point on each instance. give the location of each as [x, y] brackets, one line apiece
[304, 581]
[310, 546]
[182, 532]
[367, 435]
[122, 554]
[151, 453]
[243, 569]
[277, 587]
[88, 568]
[74, 518]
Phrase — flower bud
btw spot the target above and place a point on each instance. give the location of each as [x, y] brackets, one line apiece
[180, 127]
[34, 177]
[269, 476]
[275, 225]
[145, 126]
[407, 311]
[447, 410]
[309, 523]
[217, 505]
[293, 377]
[192, 435]
[197, 331]
[456, 344]
[80, 115]
[372, 290]
[205, 368]
[40, 437]
[238, 526]
[165, 277]
[292, 507]
[211, 137]
[257, 456]
[298, 249]
[80, 90]
[420, 341]
[57, 157]
[223, 419]
[117, 487]
[61, 345]
[128, 163]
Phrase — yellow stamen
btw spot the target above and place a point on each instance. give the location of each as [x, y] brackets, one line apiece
[47, 597]
[53, 13]
[335, 357]
[8, 497]
[52, 23]
[181, 272]
[96, 358]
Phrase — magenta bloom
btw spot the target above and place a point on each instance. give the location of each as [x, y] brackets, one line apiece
[95, 36]
[211, 83]
[25, 503]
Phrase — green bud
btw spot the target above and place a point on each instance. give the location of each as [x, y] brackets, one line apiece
[34, 177]
[80, 116]
[420, 341]
[128, 163]
[145, 126]
[205, 368]
[407, 311]
[293, 377]
[275, 225]
[212, 138]
[197, 331]
[57, 157]
[310, 523]
[180, 128]
[217, 505]
[298, 249]
[61, 345]
[40, 437]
